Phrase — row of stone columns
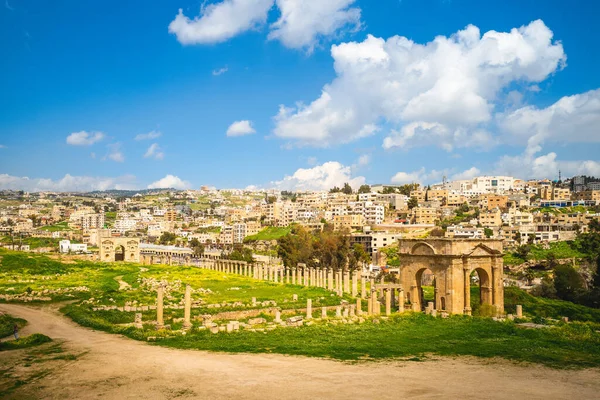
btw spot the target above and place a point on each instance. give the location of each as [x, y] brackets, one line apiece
[339, 281]
[261, 271]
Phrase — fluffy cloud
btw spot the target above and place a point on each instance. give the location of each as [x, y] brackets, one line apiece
[154, 151]
[529, 165]
[240, 128]
[84, 138]
[68, 183]
[320, 177]
[303, 22]
[435, 134]
[220, 22]
[446, 88]
[148, 136]
[170, 182]
[115, 153]
[468, 174]
[571, 119]
[363, 160]
[433, 176]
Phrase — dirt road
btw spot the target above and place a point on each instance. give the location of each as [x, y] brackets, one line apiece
[115, 367]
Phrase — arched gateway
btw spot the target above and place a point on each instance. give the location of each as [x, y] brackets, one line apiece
[452, 261]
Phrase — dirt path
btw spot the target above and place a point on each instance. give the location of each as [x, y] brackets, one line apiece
[122, 284]
[115, 367]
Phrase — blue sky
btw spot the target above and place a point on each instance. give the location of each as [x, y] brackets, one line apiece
[80, 80]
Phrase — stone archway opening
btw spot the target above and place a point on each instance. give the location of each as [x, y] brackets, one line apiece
[426, 284]
[481, 291]
[119, 253]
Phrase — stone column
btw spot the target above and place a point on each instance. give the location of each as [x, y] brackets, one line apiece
[294, 275]
[401, 301]
[338, 312]
[358, 306]
[305, 275]
[160, 322]
[388, 302]
[329, 279]
[467, 277]
[277, 316]
[323, 312]
[519, 311]
[346, 282]
[287, 276]
[339, 282]
[308, 309]
[276, 274]
[363, 287]
[354, 284]
[415, 296]
[187, 312]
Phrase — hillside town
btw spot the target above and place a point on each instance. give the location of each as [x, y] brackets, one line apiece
[500, 207]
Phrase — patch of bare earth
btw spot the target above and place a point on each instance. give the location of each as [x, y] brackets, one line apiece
[114, 367]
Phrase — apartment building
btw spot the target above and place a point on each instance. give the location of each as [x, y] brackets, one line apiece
[496, 201]
[589, 195]
[465, 232]
[348, 223]
[424, 215]
[490, 219]
[419, 195]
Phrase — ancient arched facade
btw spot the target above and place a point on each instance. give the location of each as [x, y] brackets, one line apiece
[119, 249]
[452, 261]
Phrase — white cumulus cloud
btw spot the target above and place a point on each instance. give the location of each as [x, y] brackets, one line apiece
[148, 136]
[220, 22]
[304, 22]
[447, 88]
[320, 177]
[68, 183]
[115, 153]
[170, 182]
[468, 174]
[84, 138]
[154, 151]
[240, 128]
[571, 119]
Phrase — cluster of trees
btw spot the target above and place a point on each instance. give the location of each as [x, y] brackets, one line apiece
[240, 253]
[346, 189]
[568, 284]
[324, 248]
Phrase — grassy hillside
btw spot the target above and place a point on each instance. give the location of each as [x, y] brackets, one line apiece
[269, 233]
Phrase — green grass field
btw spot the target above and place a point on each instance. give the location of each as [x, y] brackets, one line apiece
[61, 226]
[269, 233]
[24, 342]
[407, 336]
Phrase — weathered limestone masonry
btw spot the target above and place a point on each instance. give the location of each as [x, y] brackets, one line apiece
[160, 322]
[452, 261]
[187, 312]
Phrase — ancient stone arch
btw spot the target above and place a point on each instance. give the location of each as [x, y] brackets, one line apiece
[452, 261]
[119, 249]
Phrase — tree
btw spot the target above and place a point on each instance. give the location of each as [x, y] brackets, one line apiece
[197, 247]
[388, 190]
[167, 238]
[364, 189]
[347, 189]
[335, 189]
[412, 203]
[271, 199]
[567, 283]
[488, 232]
[522, 252]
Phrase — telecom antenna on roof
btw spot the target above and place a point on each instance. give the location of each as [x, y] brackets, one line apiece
[444, 181]
[560, 180]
